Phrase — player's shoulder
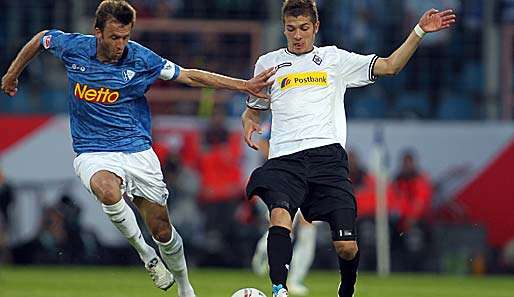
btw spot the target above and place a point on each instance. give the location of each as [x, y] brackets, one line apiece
[330, 50]
[72, 43]
[140, 51]
[271, 57]
[70, 37]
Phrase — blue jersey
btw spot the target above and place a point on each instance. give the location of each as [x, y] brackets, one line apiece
[107, 104]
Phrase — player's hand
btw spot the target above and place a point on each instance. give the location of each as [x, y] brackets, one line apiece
[9, 85]
[258, 85]
[433, 20]
[249, 127]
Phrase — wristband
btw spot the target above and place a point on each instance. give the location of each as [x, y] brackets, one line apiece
[419, 31]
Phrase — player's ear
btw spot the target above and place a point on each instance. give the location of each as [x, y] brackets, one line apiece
[98, 33]
[316, 27]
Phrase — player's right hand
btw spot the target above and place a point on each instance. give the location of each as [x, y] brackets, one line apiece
[9, 85]
[249, 127]
[258, 85]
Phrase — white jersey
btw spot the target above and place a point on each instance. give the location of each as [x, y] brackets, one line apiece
[307, 97]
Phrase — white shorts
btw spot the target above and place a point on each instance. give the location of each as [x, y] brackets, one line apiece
[140, 172]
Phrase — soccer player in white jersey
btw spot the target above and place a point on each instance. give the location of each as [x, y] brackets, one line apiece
[304, 242]
[108, 76]
[307, 167]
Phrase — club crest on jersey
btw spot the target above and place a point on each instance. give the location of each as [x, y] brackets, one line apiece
[128, 75]
[303, 79]
[95, 95]
[317, 59]
[47, 41]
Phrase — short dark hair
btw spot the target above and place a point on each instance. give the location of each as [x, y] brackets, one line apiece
[297, 8]
[119, 10]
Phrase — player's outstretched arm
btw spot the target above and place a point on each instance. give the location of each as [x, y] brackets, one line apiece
[251, 123]
[29, 51]
[431, 21]
[255, 86]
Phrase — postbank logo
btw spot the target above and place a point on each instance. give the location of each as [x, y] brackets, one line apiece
[303, 79]
[101, 95]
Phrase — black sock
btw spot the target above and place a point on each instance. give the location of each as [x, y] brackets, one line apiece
[280, 251]
[348, 270]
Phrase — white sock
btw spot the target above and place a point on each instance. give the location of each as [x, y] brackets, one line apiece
[124, 219]
[262, 245]
[303, 253]
[172, 252]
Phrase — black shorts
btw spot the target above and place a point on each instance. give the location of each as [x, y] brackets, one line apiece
[314, 181]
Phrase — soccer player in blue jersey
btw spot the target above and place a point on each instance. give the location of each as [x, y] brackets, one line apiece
[108, 76]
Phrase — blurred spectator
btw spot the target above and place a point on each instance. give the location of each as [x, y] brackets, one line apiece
[71, 215]
[363, 185]
[61, 239]
[507, 11]
[356, 25]
[183, 184]
[411, 192]
[6, 199]
[364, 191]
[507, 257]
[157, 8]
[429, 64]
[221, 191]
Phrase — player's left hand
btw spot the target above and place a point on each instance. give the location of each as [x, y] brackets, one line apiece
[249, 127]
[258, 85]
[433, 20]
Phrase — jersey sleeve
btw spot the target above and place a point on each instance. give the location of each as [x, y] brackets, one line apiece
[155, 64]
[356, 70]
[56, 42]
[254, 102]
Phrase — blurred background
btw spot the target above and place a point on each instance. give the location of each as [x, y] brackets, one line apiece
[444, 127]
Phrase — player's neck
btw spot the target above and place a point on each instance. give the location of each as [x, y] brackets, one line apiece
[102, 56]
[104, 59]
[300, 54]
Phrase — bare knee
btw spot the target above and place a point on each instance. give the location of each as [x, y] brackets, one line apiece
[106, 187]
[281, 217]
[346, 249]
[160, 228]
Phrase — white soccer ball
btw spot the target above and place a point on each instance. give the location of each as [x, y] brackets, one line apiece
[248, 292]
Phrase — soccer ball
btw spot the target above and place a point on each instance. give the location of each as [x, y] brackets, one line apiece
[248, 292]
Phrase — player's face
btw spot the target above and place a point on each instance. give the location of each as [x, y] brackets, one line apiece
[111, 42]
[300, 32]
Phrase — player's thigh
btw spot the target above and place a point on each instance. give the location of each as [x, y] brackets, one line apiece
[101, 174]
[145, 177]
[280, 183]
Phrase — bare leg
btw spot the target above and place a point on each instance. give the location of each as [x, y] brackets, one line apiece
[169, 243]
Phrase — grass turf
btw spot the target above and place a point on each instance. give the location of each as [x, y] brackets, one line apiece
[134, 282]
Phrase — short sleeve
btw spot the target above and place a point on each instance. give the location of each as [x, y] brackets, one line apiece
[356, 70]
[56, 42]
[254, 102]
[154, 64]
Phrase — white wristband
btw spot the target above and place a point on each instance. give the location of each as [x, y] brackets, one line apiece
[419, 31]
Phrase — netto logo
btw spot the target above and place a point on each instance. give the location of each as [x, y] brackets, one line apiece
[102, 95]
[304, 79]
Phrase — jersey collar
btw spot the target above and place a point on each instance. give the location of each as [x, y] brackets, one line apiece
[314, 49]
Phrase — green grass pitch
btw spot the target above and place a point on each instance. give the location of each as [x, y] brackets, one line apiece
[134, 282]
